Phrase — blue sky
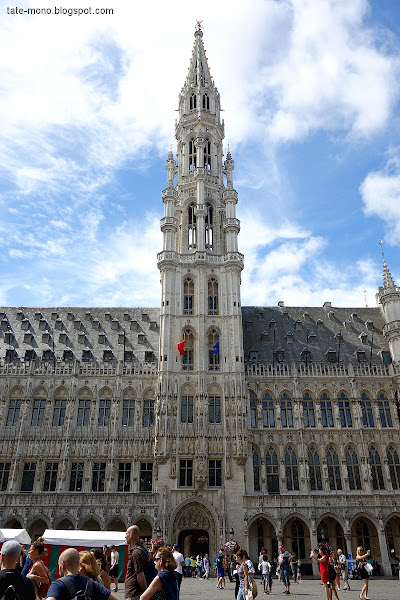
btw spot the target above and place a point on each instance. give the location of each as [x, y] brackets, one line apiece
[310, 91]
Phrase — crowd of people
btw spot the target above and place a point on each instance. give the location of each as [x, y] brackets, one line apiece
[157, 574]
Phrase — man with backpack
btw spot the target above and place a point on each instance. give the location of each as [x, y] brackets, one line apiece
[12, 583]
[74, 586]
[138, 565]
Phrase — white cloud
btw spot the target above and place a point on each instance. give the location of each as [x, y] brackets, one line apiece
[380, 193]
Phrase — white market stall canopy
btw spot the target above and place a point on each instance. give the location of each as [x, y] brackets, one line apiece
[72, 537]
[20, 535]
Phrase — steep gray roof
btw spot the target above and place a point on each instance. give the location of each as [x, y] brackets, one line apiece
[315, 329]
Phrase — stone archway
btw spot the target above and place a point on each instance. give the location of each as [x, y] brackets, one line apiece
[262, 534]
[192, 522]
[37, 528]
[13, 523]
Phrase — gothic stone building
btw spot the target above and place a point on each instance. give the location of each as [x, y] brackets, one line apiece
[276, 424]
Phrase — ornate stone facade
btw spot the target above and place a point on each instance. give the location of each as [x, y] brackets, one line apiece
[276, 424]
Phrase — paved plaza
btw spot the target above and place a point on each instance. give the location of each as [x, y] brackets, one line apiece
[380, 588]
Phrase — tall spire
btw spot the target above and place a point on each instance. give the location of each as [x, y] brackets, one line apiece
[199, 72]
[388, 282]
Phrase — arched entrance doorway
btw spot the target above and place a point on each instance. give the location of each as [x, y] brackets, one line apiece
[262, 535]
[194, 529]
[193, 542]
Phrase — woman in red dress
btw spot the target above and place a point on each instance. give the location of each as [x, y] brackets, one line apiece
[323, 567]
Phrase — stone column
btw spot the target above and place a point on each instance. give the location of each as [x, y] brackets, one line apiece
[385, 561]
[314, 543]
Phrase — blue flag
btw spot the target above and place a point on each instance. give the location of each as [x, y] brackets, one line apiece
[215, 348]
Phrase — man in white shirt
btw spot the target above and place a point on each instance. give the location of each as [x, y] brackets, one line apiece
[114, 570]
[180, 564]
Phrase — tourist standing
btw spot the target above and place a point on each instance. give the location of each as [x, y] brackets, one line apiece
[323, 561]
[284, 564]
[361, 561]
[135, 580]
[398, 560]
[265, 569]
[343, 571]
[37, 572]
[164, 585]
[206, 564]
[243, 573]
[114, 570]
[9, 557]
[180, 563]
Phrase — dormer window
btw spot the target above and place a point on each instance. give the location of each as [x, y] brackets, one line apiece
[192, 155]
[206, 102]
[306, 355]
[209, 226]
[331, 355]
[320, 324]
[264, 337]
[298, 325]
[361, 356]
[192, 102]
[253, 356]
[289, 337]
[68, 356]
[207, 155]
[363, 337]
[11, 355]
[279, 355]
[369, 324]
[191, 227]
[312, 338]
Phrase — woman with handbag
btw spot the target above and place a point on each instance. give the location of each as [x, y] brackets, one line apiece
[362, 570]
[243, 573]
[38, 572]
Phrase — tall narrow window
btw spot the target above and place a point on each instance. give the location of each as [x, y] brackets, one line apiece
[39, 406]
[60, 407]
[212, 296]
[384, 411]
[366, 411]
[207, 155]
[394, 467]
[188, 296]
[128, 409]
[298, 539]
[272, 470]
[332, 459]
[188, 357]
[308, 411]
[256, 471]
[192, 155]
[186, 472]
[253, 411]
[268, 410]
[215, 473]
[323, 532]
[98, 477]
[326, 410]
[214, 350]
[286, 410]
[104, 412]
[344, 411]
[187, 409]
[83, 413]
[362, 534]
[192, 102]
[191, 227]
[28, 476]
[146, 477]
[5, 468]
[206, 102]
[292, 473]
[148, 413]
[214, 409]
[314, 469]
[209, 223]
[124, 477]
[50, 477]
[76, 478]
[376, 469]
[353, 469]
[13, 412]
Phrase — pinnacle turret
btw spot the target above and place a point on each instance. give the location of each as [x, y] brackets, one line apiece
[388, 282]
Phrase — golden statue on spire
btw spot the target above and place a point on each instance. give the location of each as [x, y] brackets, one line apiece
[198, 25]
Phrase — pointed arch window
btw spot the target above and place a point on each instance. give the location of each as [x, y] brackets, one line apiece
[326, 410]
[344, 411]
[83, 412]
[332, 459]
[192, 155]
[207, 155]
[214, 409]
[394, 467]
[206, 102]
[212, 296]
[38, 410]
[253, 411]
[376, 469]
[272, 470]
[214, 350]
[292, 474]
[353, 469]
[384, 411]
[187, 409]
[308, 411]
[362, 534]
[191, 227]
[209, 224]
[14, 407]
[298, 540]
[188, 357]
[148, 412]
[314, 469]
[286, 410]
[104, 408]
[188, 296]
[128, 408]
[366, 411]
[256, 471]
[268, 410]
[193, 102]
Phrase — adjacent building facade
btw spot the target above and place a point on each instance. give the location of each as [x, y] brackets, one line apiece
[269, 425]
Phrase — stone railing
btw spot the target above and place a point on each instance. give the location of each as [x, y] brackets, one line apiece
[76, 368]
[319, 370]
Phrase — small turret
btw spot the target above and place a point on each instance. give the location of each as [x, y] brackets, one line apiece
[389, 298]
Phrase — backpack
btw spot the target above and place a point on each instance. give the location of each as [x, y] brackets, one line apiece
[10, 594]
[150, 571]
[85, 594]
